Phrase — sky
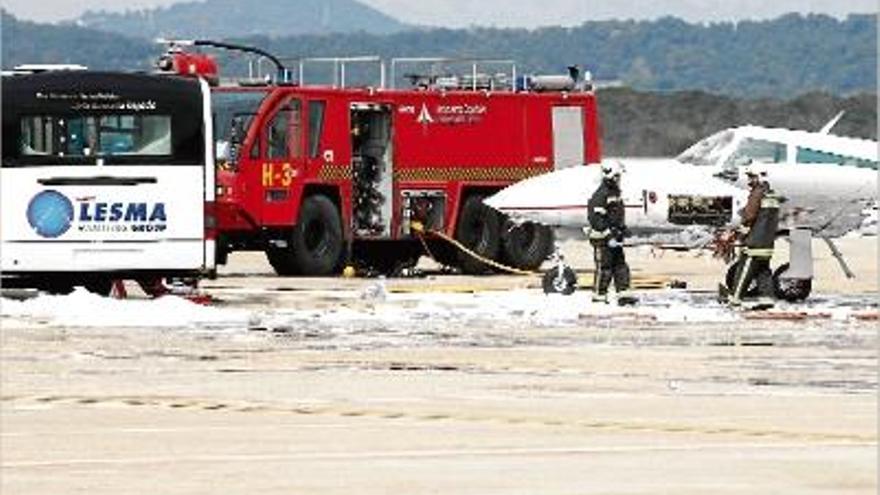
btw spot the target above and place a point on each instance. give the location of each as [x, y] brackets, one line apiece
[506, 13]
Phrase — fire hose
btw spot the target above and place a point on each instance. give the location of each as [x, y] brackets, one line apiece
[420, 231]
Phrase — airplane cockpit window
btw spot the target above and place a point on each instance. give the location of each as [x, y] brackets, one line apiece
[807, 155]
[759, 151]
[708, 151]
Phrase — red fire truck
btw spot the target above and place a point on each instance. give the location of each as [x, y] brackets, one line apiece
[323, 175]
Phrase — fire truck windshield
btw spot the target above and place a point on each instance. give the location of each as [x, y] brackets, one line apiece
[233, 113]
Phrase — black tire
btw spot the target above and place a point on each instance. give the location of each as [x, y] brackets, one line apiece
[526, 246]
[57, 287]
[479, 228]
[552, 283]
[282, 261]
[316, 243]
[791, 289]
[730, 280]
[443, 252]
[99, 286]
[386, 258]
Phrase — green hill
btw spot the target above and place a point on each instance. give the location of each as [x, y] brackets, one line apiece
[685, 81]
[26, 42]
[784, 57]
[228, 18]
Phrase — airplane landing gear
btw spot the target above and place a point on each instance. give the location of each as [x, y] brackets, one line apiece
[560, 279]
[791, 289]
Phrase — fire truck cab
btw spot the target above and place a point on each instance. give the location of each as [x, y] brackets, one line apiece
[321, 175]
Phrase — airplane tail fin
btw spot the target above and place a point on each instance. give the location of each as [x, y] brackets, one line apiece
[831, 123]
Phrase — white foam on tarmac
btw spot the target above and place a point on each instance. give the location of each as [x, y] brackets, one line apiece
[376, 309]
[84, 309]
[515, 307]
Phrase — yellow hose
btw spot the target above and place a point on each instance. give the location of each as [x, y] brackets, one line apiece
[419, 229]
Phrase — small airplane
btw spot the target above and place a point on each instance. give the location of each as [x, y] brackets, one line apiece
[830, 183]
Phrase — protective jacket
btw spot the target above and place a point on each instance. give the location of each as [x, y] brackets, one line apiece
[605, 212]
[761, 217]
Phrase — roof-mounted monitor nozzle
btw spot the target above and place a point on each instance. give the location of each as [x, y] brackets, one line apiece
[176, 49]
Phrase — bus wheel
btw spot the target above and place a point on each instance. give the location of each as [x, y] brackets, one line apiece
[527, 245]
[99, 286]
[479, 228]
[57, 287]
[316, 243]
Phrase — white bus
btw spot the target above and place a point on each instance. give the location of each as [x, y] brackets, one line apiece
[105, 176]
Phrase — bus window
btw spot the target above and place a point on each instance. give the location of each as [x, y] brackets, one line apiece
[88, 136]
[316, 126]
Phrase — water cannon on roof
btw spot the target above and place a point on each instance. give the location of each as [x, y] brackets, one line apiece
[179, 60]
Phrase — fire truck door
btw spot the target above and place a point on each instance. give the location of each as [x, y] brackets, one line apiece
[568, 136]
[282, 162]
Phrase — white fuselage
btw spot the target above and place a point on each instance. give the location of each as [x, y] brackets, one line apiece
[827, 181]
[659, 196]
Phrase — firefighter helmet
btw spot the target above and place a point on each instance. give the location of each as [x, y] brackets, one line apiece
[611, 170]
[752, 170]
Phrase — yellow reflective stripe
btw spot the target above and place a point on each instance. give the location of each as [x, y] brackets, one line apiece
[599, 234]
[737, 293]
[770, 203]
[759, 252]
[599, 209]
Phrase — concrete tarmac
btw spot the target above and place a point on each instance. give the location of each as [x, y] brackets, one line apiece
[486, 404]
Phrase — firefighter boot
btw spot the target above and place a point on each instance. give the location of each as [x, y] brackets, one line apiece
[723, 294]
[627, 300]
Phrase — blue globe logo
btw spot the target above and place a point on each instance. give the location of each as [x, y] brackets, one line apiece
[50, 214]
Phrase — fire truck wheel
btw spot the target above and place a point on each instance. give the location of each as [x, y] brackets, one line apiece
[526, 246]
[386, 258]
[479, 228]
[280, 261]
[316, 242]
[317, 237]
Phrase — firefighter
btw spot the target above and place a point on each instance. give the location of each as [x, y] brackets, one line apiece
[607, 231]
[760, 221]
